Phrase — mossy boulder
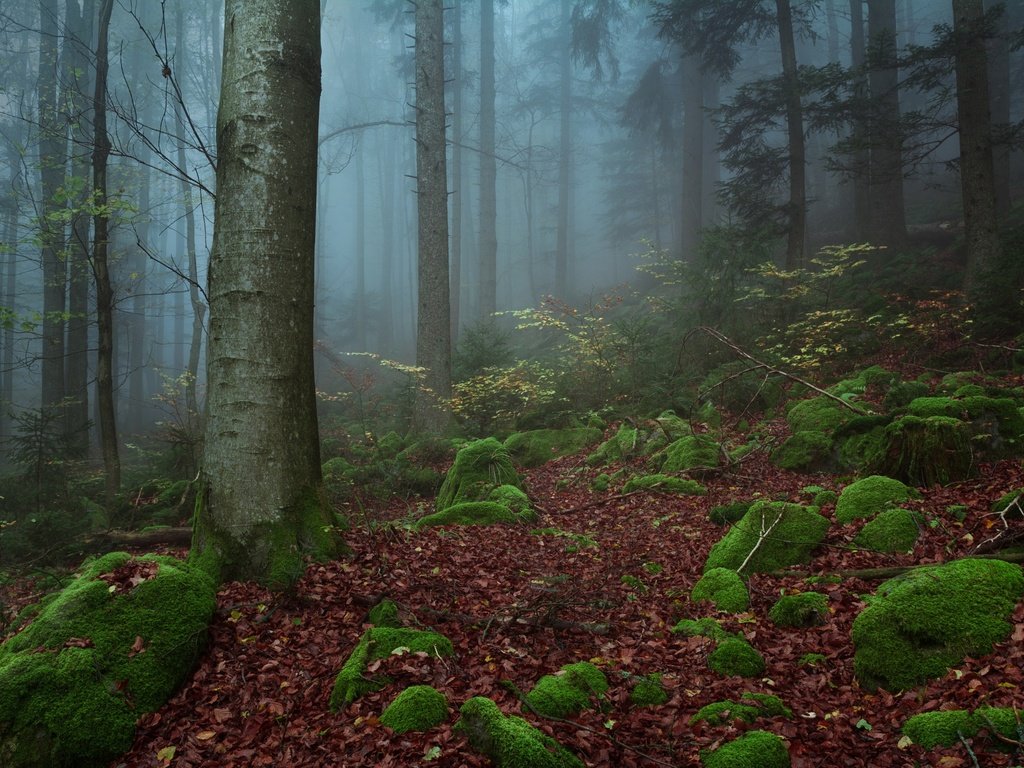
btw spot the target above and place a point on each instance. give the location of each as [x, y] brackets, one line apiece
[648, 691]
[385, 614]
[750, 707]
[894, 530]
[691, 452]
[754, 749]
[114, 644]
[995, 421]
[868, 496]
[805, 451]
[706, 627]
[379, 643]
[933, 450]
[417, 708]
[806, 609]
[918, 625]
[903, 393]
[473, 513]
[778, 534]
[945, 728]
[539, 446]
[479, 468]
[625, 443]
[723, 514]
[572, 689]
[734, 656]
[510, 741]
[818, 414]
[667, 483]
[724, 588]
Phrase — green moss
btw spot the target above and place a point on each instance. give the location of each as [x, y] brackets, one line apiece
[623, 444]
[666, 483]
[926, 451]
[474, 513]
[811, 659]
[870, 495]
[538, 446]
[734, 656]
[1010, 504]
[791, 533]
[510, 742]
[860, 449]
[479, 468]
[379, 643]
[806, 609]
[724, 514]
[754, 749]
[653, 568]
[648, 691]
[390, 445]
[724, 588]
[903, 393]
[997, 417]
[633, 583]
[417, 708]
[818, 414]
[945, 728]
[894, 530]
[920, 624]
[601, 482]
[569, 691]
[706, 627]
[385, 614]
[751, 707]
[514, 499]
[803, 452]
[691, 452]
[62, 704]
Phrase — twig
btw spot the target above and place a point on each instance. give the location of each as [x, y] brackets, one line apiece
[760, 539]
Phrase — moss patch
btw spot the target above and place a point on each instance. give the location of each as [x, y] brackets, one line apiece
[818, 414]
[724, 588]
[724, 514]
[806, 609]
[417, 708]
[997, 418]
[925, 451]
[869, 496]
[791, 532]
[623, 444]
[73, 683]
[691, 452]
[648, 691]
[571, 690]
[804, 452]
[944, 729]
[754, 749]
[510, 742]
[751, 707]
[735, 656]
[667, 483]
[706, 627]
[920, 624]
[894, 530]
[538, 446]
[474, 513]
[479, 468]
[385, 614]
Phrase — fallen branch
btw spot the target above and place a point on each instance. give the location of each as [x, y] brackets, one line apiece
[95, 542]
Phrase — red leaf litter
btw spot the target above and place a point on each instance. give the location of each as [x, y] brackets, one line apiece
[518, 605]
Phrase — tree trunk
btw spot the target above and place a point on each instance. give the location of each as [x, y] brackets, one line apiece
[260, 508]
[797, 206]
[101, 271]
[861, 157]
[564, 155]
[9, 283]
[488, 171]
[692, 219]
[360, 250]
[433, 325]
[455, 239]
[999, 95]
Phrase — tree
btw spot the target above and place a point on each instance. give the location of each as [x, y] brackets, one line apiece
[433, 324]
[260, 506]
[488, 168]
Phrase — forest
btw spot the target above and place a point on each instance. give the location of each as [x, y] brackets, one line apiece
[515, 383]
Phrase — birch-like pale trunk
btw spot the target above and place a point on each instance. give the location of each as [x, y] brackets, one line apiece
[260, 508]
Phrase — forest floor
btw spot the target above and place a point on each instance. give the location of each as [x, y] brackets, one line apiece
[518, 605]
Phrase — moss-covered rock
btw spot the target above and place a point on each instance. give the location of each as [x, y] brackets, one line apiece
[385, 614]
[111, 646]
[475, 513]
[818, 414]
[995, 419]
[539, 446]
[510, 742]
[725, 514]
[806, 609]
[379, 643]
[750, 707]
[735, 656]
[515, 499]
[648, 691]
[666, 483]
[479, 468]
[691, 452]
[804, 452]
[601, 482]
[925, 451]
[894, 530]
[946, 727]
[868, 496]
[903, 393]
[779, 534]
[724, 588]
[920, 624]
[572, 689]
[626, 442]
[417, 708]
[754, 749]
[706, 627]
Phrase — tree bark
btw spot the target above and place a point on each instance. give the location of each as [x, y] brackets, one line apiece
[999, 95]
[797, 206]
[433, 325]
[564, 155]
[692, 219]
[861, 177]
[260, 507]
[488, 170]
[455, 238]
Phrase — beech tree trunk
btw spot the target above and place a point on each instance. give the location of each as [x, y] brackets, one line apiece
[693, 159]
[433, 324]
[260, 508]
[797, 207]
[564, 155]
[488, 170]
[455, 239]
[861, 157]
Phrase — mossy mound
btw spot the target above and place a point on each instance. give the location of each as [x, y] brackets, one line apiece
[479, 468]
[920, 624]
[474, 513]
[734, 656]
[691, 452]
[430, 450]
[754, 749]
[648, 691]
[667, 483]
[903, 393]
[513, 498]
[706, 627]
[925, 451]
[868, 496]
[724, 588]
[945, 728]
[113, 645]
[626, 442]
[573, 689]
[724, 514]
[894, 530]
[379, 643]
[806, 609]
[818, 414]
[417, 708]
[805, 451]
[751, 707]
[385, 614]
[777, 533]
[995, 419]
[510, 742]
[539, 446]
